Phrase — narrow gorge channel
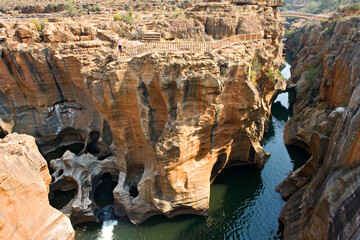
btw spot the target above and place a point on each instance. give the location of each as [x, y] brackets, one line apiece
[243, 202]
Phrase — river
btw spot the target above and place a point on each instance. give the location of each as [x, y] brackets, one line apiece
[243, 201]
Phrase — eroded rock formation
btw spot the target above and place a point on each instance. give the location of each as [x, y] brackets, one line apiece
[324, 194]
[25, 212]
[162, 125]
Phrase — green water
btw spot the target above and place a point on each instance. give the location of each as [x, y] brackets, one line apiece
[243, 202]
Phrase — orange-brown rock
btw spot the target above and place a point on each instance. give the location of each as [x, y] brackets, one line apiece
[324, 194]
[169, 123]
[25, 212]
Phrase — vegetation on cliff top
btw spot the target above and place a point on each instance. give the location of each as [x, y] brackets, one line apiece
[316, 6]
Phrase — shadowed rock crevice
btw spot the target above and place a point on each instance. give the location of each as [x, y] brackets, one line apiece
[133, 177]
[58, 152]
[300, 144]
[68, 138]
[144, 96]
[103, 187]
[218, 166]
[59, 199]
[95, 147]
[94, 180]
[3, 133]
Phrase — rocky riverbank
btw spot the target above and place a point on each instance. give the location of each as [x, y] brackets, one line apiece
[323, 195]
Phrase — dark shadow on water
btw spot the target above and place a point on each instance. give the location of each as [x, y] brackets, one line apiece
[232, 191]
[298, 156]
[231, 188]
[280, 112]
[269, 134]
[292, 98]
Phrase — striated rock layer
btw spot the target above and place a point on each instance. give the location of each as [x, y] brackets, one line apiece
[25, 212]
[162, 126]
[324, 195]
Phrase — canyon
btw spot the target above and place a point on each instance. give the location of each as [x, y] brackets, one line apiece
[154, 130]
[323, 195]
[158, 127]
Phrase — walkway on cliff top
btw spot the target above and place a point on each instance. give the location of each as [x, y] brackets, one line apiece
[191, 46]
[309, 16]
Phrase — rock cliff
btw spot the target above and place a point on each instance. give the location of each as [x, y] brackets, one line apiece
[25, 212]
[323, 195]
[160, 125]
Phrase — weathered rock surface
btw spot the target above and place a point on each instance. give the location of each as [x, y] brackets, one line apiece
[323, 195]
[25, 212]
[84, 174]
[162, 125]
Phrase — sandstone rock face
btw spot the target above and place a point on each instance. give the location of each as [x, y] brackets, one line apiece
[323, 195]
[160, 125]
[25, 212]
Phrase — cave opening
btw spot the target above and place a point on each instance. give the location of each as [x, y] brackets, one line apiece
[3, 133]
[134, 175]
[68, 139]
[99, 150]
[62, 189]
[58, 152]
[96, 147]
[59, 199]
[298, 155]
[103, 195]
[133, 191]
[218, 166]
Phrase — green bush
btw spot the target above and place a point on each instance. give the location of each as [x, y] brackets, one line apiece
[124, 18]
[355, 6]
[255, 69]
[274, 75]
[94, 9]
[127, 18]
[312, 7]
[70, 8]
[289, 33]
[177, 14]
[328, 30]
[39, 25]
[311, 75]
[54, 6]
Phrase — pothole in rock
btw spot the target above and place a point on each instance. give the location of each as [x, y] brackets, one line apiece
[63, 190]
[96, 147]
[99, 150]
[3, 133]
[59, 199]
[103, 195]
[75, 148]
[133, 178]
